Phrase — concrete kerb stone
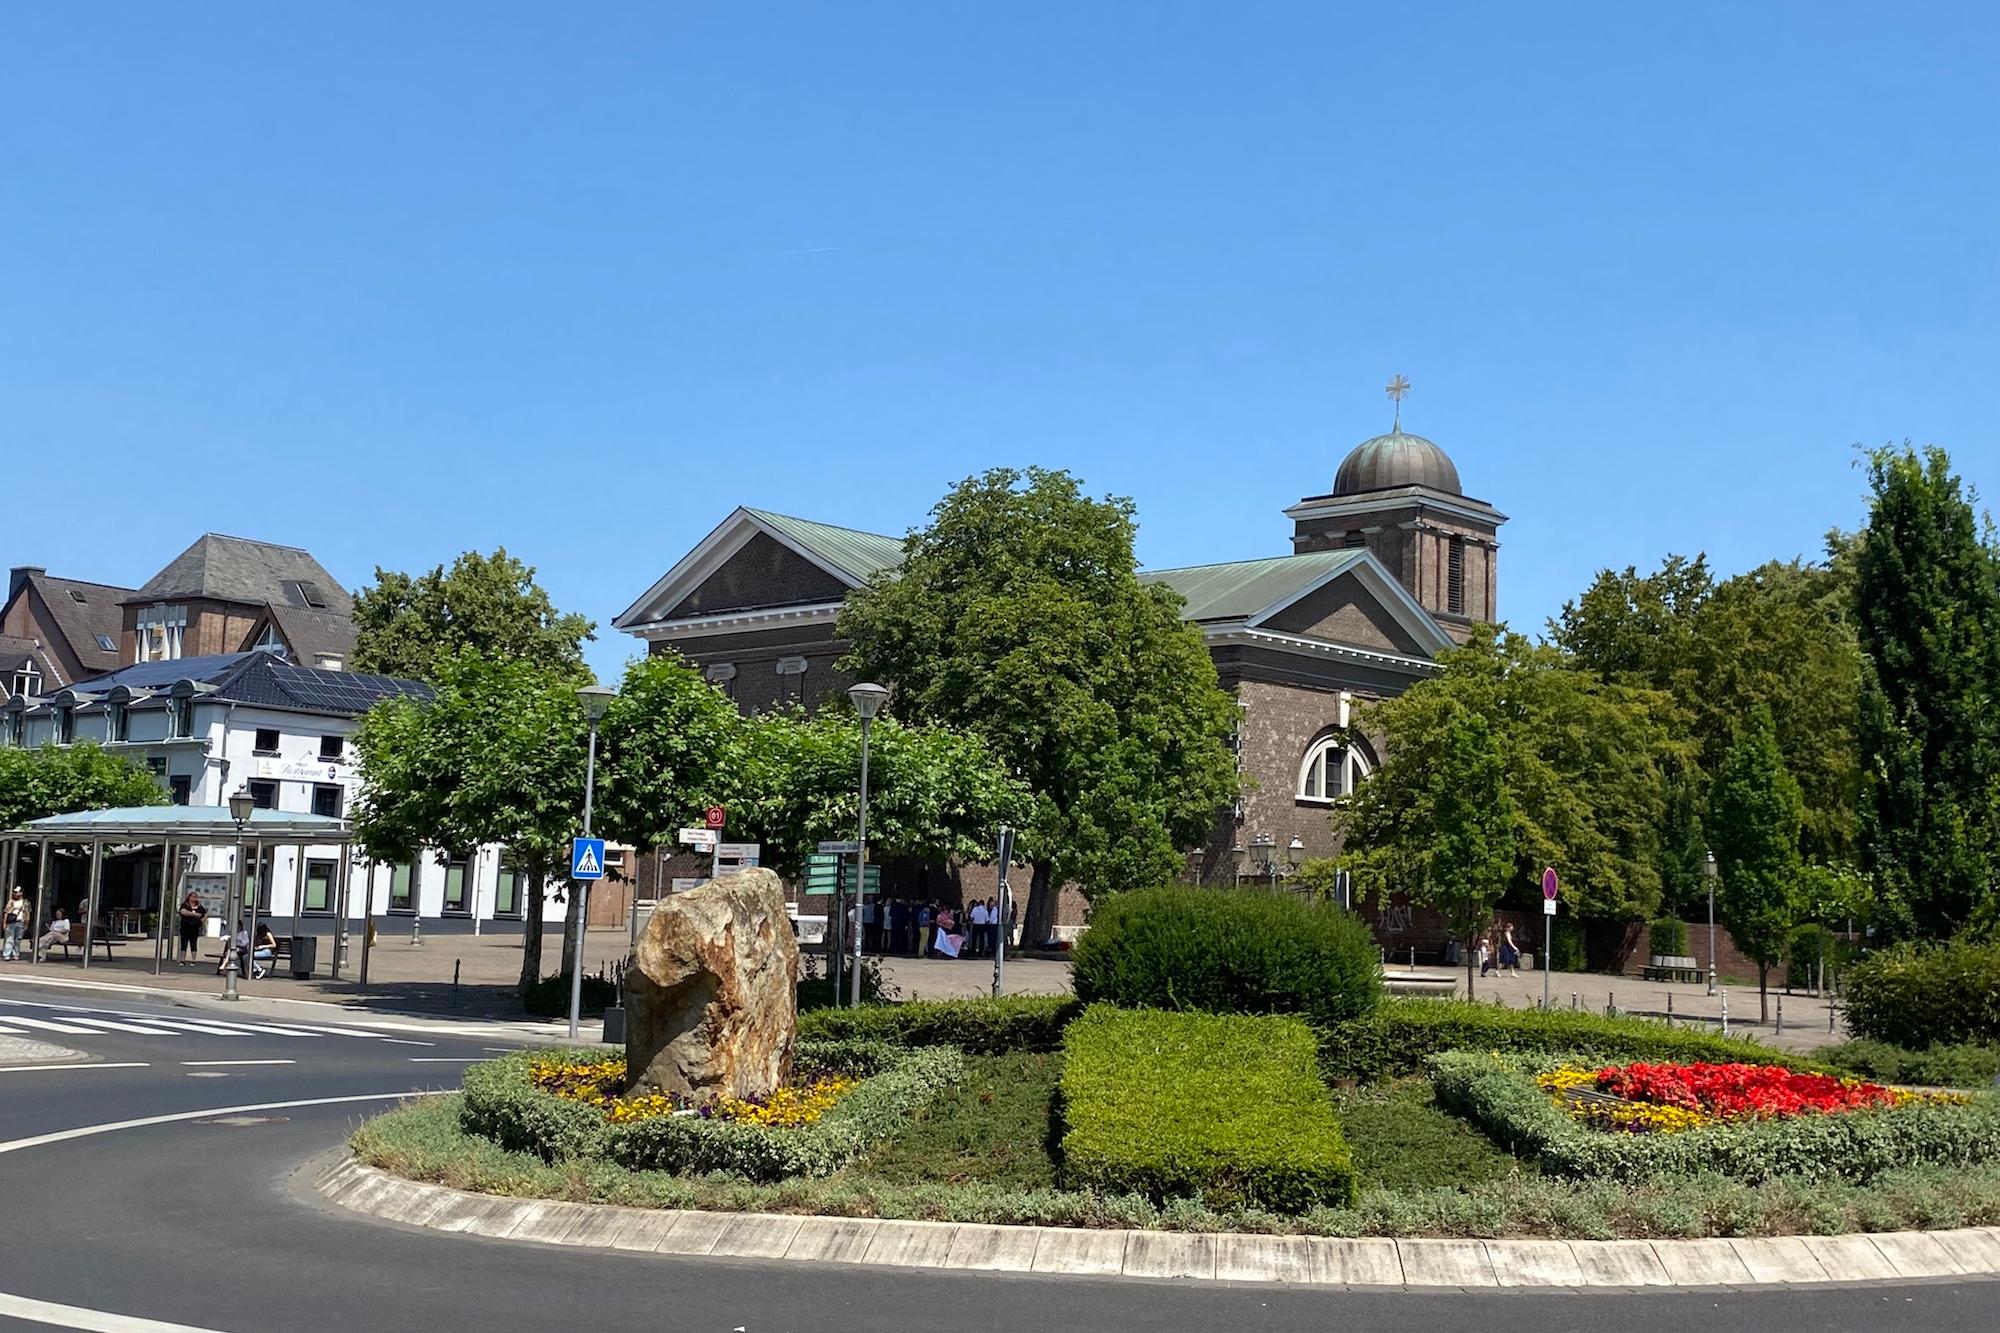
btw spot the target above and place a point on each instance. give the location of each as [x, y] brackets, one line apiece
[1316, 1260]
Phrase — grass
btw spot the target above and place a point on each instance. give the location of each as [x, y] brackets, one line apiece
[1403, 1140]
[992, 1128]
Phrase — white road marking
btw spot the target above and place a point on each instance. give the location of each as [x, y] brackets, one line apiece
[12, 1032]
[238, 1062]
[112, 1126]
[401, 1041]
[94, 1321]
[49, 1024]
[114, 1025]
[442, 1059]
[74, 1064]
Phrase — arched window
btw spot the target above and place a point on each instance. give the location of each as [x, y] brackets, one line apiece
[1332, 767]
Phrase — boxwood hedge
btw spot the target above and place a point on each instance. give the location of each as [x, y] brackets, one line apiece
[1399, 1036]
[1225, 1107]
[977, 1027]
[502, 1104]
[1919, 994]
[1500, 1096]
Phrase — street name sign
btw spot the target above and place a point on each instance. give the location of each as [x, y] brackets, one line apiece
[838, 848]
[703, 838]
[586, 858]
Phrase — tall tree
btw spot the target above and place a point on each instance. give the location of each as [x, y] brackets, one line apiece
[497, 756]
[1018, 615]
[1928, 604]
[1754, 813]
[63, 779]
[406, 626]
[933, 792]
[1437, 823]
[1585, 764]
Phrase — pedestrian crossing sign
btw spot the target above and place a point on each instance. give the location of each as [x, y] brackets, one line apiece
[586, 858]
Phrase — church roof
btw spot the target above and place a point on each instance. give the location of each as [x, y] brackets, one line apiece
[1241, 589]
[858, 555]
[1396, 459]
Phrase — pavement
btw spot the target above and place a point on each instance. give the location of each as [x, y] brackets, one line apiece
[454, 973]
[166, 1184]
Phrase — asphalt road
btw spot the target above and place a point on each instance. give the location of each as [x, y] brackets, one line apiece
[210, 1225]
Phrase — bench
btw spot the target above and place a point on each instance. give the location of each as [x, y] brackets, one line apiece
[97, 941]
[1673, 967]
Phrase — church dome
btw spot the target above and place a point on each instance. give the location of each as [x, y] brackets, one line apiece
[1393, 460]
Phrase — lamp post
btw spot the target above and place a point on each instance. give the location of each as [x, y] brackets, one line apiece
[868, 700]
[596, 699]
[241, 805]
[1237, 856]
[1295, 855]
[1709, 873]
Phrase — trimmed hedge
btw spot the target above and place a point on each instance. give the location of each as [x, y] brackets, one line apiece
[1667, 937]
[1227, 951]
[1966, 1066]
[1224, 1107]
[977, 1027]
[1915, 995]
[502, 1104]
[1397, 1038]
[1501, 1097]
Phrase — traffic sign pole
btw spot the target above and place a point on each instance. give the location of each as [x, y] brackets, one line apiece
[582, 889]
[1006, 850]
[1549, 885]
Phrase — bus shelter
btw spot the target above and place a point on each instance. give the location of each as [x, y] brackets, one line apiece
[175, 830]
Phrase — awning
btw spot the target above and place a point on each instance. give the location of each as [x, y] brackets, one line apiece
[184, 824]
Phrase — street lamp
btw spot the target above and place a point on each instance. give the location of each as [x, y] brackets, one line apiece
[596, 699]
[1237, 856]
[241, 806]
[1709, 873]
[868, 700]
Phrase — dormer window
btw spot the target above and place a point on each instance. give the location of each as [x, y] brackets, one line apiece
[180, 719]
[270, 641]
[161, 631]
[117, 727]
[65, 725]
[27, 680]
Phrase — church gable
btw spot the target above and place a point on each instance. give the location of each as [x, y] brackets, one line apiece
[762, 573]
[1345, 611]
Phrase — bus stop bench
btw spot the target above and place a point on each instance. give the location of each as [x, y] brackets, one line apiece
[1672, 967]
[103, 942]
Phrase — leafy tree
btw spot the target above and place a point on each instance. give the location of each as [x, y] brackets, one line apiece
[1585, 764]
[1018, 615]
[406, 626]
[61, 780]
[933, 792]
[497, 756]
[1928, 605]
[1437, 823]
[1754, 814]
[670, 746]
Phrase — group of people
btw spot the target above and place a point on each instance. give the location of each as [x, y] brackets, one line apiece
[933, 929]
[1508, 956]
[20, 914]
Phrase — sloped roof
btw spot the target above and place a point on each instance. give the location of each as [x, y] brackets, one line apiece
[160, 675]
[82, 611]
[266, 680]
[1242, 588]
[16, 653]
[858, 555]
[314, 634]
[236, 569]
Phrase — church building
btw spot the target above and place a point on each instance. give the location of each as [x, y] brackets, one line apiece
[1393, 565]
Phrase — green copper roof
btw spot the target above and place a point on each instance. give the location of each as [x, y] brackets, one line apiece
[854, 553]
[1393, 460]
[1242, 588]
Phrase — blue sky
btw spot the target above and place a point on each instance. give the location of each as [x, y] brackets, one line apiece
[390, 281]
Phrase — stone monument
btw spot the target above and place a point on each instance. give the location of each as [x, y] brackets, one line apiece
[712, 992]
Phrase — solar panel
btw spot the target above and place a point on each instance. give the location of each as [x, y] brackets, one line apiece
[340, 691]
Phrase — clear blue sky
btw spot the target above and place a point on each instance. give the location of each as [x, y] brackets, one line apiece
[392, 280]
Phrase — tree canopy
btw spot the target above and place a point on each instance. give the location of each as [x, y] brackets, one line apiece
[63, 779]
[1754, 817]
[1018, 615]
[406, 626]
[1927, 602]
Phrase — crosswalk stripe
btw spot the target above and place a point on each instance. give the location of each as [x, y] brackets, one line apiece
[115, 1025]
[206, 1029]
[48, 1024]
[12, 1032]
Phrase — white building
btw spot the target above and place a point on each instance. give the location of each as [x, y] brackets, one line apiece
[208, 725]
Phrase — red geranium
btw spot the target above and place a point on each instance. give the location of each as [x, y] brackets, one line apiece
[1740, 1092]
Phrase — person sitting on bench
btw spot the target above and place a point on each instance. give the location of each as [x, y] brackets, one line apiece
[57, 933]
[265, 949]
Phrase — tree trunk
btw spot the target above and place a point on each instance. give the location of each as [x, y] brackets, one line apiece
[1038, 923]
[1471, 957]
[1763, 993]
[572, 923]
[531, 932]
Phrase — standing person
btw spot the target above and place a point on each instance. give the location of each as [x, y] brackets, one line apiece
[18, 912]
[993, 926]
[1510, 952]
[1485, 954]
[193, 916]
[925, 916]
[978, 930]
[899, 927]
[57, 933]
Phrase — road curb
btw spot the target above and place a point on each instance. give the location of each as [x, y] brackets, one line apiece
[1971, 1252]
[31, 1051]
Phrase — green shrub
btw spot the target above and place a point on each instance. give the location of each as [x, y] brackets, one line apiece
[1501, 1097]
[1667, 937]
[1223, 951]
[549, 997]
[1221, 1107]
[1918, 995]
[502, 1104]
[1397, 1038]
[1567, 951]
[977, 1027]
[1806, 948]
[1963, 1066]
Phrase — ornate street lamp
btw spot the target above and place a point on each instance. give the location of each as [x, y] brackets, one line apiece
[1710, 873]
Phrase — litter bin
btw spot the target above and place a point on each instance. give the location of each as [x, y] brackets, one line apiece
[305, 954]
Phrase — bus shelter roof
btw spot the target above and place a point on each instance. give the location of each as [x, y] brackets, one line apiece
[184, 824]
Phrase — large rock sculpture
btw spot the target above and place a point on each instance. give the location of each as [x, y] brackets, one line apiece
[712, 992]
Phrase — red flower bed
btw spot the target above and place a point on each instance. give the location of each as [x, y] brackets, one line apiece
[1740, 1092]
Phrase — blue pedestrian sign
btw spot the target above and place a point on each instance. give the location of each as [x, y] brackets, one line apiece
[586, 858]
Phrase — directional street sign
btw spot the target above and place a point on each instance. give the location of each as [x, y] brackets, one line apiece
[586, 858]
[715, 816]
[829, 872]
[703, 838]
